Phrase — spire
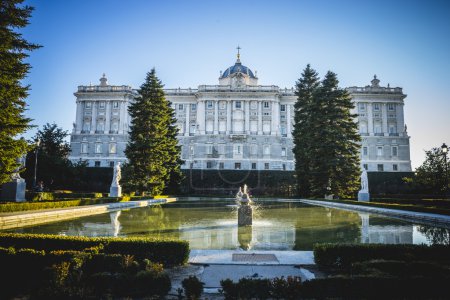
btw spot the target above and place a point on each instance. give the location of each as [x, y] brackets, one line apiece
[238, 61]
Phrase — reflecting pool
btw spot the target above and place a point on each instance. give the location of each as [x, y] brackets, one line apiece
[210, 223]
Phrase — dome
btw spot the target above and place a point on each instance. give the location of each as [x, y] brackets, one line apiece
[238, 68]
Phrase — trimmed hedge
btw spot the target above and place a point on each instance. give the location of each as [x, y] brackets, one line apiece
[343, 255]
[167, 252]
[23, 206]
[47, 196]
[79, 275]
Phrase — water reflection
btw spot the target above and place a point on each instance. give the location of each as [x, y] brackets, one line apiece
[277, 226]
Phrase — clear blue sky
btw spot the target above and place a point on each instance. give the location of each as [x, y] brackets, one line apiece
[406, 43]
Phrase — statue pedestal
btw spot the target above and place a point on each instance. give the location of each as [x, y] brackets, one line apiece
[14, 190]
[245, 215]
[115, 191]
[329, 197]
[363, 196]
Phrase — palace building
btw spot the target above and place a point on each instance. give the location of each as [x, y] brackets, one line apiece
[236, 124]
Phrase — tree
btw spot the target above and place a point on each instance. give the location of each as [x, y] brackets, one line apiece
[325, 137]
[306, 86]
[13, 50]
[153, 152]
[430, 176]
[54, 167]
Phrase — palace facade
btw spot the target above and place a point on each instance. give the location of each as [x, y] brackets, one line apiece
[236, 124]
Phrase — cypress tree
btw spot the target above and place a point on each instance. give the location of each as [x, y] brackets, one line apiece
[302, 135]
[13, 50]
[152, 150]
[326, 140]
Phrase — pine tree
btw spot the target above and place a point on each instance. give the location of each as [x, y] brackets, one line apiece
[12, 94]
[306, 86]
[326, 141]
[153, 152]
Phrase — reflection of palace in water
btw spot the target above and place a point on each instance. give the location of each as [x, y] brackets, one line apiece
[385, 234]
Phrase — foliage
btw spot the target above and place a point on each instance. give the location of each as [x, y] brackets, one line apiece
[153, 153]
[251, 288]
[13, 52]
[193, 287]
[431, 176]
[342, 256]
[77, 274]
[23, 206]
[167, 252]
[325, 136]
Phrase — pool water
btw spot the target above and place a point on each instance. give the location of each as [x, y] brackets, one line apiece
[210, 223]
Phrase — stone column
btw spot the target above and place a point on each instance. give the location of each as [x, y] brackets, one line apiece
[94, 117]
[384, 119]
[108, 116]
[229, 103]
[288, 120]
[216, 117]
[122, 117]
[186, 125]
[79, 117]
[260, 125]
[247, 117]
[400, 119]
[369, 119]
[275, 119]
[201, 117]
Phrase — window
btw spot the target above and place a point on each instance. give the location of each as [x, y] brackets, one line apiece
[115, 126]
[379, 151]
[392, 129]
[266, 104]
[193, 106]
[113, 148]
[366, 167]
[84, 148]
[362, 106]
[391, 106]
[238, 104]
[87, 105]
[115, 104]
[266, 166]
[87, 126]
[394, 151]
[100, 126]
[97, 164]
[237, 166]
[380, 167]
[209, 149]
[283, 151]
[253, 104]
[101, 104]
[266, 150]
[221, 165]
[253, 166]
[111, 164]
[283, 130]
[208, 165]
[98, 148]
[253, 149]
[222, 104]
[394, 167]
[209, 104]
[365, 151]
[180, 107]
[376, 106]
[283, 107]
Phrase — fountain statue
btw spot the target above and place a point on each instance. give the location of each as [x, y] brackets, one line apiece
[116, 190]
[363, 194]
[245, 210]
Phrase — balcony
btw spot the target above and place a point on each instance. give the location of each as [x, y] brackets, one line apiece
[379, 134]
[393, 134]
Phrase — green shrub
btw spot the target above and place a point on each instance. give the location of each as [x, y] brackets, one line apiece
[149, 283]
[193, 287]
[400, 269]
[343, 255]
[250, 288]
[167, 252]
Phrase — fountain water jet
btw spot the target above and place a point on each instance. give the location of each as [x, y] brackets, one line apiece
[245, 210]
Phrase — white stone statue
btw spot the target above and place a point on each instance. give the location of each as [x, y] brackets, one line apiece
[21, 161]
[117, 175]
[364, 182]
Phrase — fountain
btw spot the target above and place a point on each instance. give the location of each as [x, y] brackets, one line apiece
[245, 210]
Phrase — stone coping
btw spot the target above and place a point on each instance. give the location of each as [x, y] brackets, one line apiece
[35, 217]
[421, 217]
